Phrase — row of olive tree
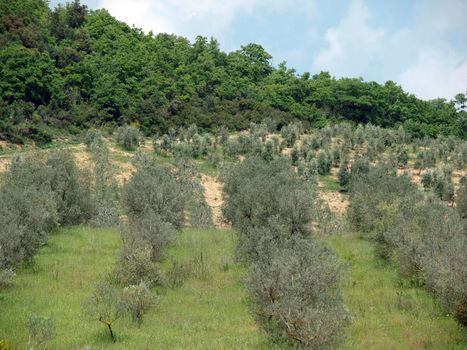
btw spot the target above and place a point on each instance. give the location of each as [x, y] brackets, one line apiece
[38, 194]
[155, 201]
[293, 281]
[424, 238]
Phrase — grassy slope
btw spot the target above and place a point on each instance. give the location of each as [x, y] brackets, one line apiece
[209, 311]
[205, 313]
[388, 313]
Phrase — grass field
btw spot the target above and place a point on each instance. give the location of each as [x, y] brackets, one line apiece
[210, 310]
[389, 313]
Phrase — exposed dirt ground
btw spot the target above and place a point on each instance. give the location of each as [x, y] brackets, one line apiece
[213, 195]
[336, 201]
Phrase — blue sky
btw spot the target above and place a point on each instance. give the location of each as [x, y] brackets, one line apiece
[420, 44]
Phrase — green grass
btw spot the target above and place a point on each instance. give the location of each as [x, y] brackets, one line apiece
[206, 167]
[210, 310]
[13, 150]
[329, 183]
[388, 313]
[205, 313]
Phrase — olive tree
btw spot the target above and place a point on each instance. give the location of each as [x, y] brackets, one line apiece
[258, 191]
[461, 200]
[294, 291]
[128, 137]
[28, 211]
[154, 187]
[104, 187]
[104, 305]
[137, 300]
[71, 188]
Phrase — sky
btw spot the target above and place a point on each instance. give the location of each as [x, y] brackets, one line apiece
[420, 44]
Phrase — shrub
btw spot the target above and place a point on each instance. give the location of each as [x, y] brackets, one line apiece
[177, 274]
[71, 189]
[291, 133]
[41, 330]
[166, 143]
[259, 131]
[128, 137]
[461, 200]
[104, 305]
[295, 155]
[446, 276]
[103, 187]
[200, 213]
[232, 148]
[425, 239]
[360, 166]
[427, 242]
[427, 180]
[222, 135]
[192, 131]
[402, 156]
[271, 124]
[154, 187]
[135, 265]
[137, 300]
[308, 171]
[371, 195]
[336, 156]
[257, 191]
[7, 278]
[343, 175]
[324, 163]
[416, 232]
[149, 229]
[28, 211]
[268, 153]
[92, 135]
[294, 291]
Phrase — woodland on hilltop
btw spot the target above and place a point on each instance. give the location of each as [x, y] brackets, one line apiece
[70, 68]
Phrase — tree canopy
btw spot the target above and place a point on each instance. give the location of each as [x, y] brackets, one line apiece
[69, 68]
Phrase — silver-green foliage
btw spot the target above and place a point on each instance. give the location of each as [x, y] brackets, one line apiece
[28, 211]
[104, 187]
[135, 265]
[425, 239]
[41, 330]
[137, 300]
[71, 188]
[258, 191]
[294, 288]
[128, 137]
[200, 213]
[461, 198]
[293, 281]
[154, 187]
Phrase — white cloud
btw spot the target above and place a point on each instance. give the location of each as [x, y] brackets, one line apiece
[352, 45]
[436, 74]
[187, 18]
[191, 18]
[437, 16]
[422, 57]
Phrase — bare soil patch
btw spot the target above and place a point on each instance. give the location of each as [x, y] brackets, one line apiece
[213, 196]
[337, 202]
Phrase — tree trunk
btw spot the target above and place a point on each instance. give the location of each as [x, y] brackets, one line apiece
[110, 330]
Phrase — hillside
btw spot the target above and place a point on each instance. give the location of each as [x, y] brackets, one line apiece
[204, 302]
[67, 69]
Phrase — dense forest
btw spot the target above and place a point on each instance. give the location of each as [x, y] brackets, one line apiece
[66, 69]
